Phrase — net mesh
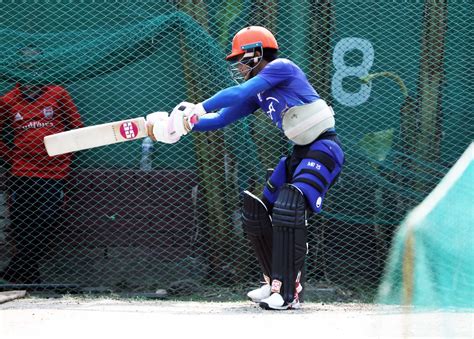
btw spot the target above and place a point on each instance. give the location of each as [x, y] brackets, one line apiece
[398, 76]
[426, 269]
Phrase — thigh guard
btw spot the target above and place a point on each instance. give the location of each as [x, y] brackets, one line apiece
[258, 226]
[318, 171]
[289, 241]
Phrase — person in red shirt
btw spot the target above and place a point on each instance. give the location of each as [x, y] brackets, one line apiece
[36, 181]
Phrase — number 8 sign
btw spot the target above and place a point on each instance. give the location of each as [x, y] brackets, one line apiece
[343, 71]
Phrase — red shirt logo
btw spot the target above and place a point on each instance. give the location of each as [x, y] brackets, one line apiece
[48, 112]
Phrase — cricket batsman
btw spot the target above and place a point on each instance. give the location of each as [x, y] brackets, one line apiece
[275, 223]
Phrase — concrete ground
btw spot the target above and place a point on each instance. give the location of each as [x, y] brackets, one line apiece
[78, 317]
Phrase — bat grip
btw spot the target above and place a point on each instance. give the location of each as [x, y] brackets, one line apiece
[194, 119]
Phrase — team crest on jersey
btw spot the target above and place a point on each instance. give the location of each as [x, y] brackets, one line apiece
[18, 117]
[48, 112]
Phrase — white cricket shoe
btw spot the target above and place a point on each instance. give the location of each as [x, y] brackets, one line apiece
[276, 302]
[261, 293]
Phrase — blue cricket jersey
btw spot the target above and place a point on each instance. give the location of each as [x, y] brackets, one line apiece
[280, 85]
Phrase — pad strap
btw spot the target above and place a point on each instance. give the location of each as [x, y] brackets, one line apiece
[323, 158]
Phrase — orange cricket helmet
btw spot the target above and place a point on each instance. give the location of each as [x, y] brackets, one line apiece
[251, 37]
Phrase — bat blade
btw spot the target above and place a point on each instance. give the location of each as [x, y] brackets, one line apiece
[95, 136]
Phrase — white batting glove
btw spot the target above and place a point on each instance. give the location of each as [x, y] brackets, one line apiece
[158, 124]
[191, 113]
[152, 118]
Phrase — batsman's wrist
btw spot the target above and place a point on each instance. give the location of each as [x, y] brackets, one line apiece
[199, 109]
[187, 125]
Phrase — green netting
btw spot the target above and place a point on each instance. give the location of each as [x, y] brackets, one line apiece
[432, 259]
[398, 76]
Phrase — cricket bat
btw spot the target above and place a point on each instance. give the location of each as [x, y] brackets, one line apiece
[95, 136]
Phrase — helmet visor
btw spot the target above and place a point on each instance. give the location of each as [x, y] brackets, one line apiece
[242, 68]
